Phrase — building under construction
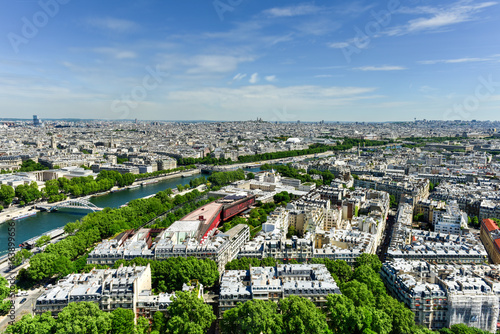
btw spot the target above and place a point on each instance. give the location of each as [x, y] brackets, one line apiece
[442, 295]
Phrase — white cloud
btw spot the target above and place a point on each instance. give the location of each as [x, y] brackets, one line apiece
[116, 53]
[380, 68]
[215, 63]
[273, 92]
[354, 8]
[270, 78]
[438, 17]
[338, 45]
[452, 61]
[358, 43]
[112, 24]
[239, 76]
[427, 89]
[266, 98]
[317, 26]
[290, 11]
[254, 78]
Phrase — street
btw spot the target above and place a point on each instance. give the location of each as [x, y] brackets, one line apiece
[22, 309]
[384, 246]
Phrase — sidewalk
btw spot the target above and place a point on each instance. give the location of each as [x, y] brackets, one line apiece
[14, 211]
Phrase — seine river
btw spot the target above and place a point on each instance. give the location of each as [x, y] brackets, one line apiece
[33, 226]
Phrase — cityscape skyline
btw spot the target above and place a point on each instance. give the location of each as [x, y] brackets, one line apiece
[308, 61]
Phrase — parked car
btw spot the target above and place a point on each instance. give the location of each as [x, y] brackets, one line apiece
[22, 300]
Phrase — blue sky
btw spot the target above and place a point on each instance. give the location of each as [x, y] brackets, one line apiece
[240, 59]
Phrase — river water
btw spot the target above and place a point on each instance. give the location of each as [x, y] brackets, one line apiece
[33, 226]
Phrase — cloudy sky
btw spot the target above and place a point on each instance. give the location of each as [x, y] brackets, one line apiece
[240, 59]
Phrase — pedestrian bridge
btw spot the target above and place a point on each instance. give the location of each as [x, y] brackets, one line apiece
[77, 203]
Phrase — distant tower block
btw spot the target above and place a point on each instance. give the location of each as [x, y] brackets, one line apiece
[36, 121]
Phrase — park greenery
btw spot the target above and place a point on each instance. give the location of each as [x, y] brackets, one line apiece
[282, 198]
[31, 166]
[5, 303]
[170, 274]
[7, 194]
[422, 141]
[59, 189]
[255, 219]
[221, 178]
[313, 149]
[289, 171]
[28, 193]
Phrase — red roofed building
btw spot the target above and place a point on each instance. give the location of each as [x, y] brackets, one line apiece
[490, 236]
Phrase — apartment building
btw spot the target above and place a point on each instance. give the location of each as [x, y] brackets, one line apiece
[312, 281]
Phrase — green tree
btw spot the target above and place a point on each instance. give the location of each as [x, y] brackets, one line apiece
[63, 266]
[418, 217]
[28, 193]
[342, 314]
[127, 179]
[253, 317]
[42, 266]
[282, 197]
[250, 176]
[38, 324]
[20, 257]
[475, 222]
[142, 326]
[291, 232]
[30, 166]
[359, 293]
[189, 314]
[83, 318]
[122, 321]
[370, 260]
[4, 293]
[393, 203]
[170, 274]
[51, 188]
[7, 194]
[159, 322]
[43, 240]
[301, 316]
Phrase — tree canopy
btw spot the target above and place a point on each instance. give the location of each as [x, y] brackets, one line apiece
[189, 314]
[4, 293]
[253, 317]
[301, 316]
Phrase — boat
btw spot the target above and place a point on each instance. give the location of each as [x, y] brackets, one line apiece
[117, 190]
[29, 214]
[134, 186]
